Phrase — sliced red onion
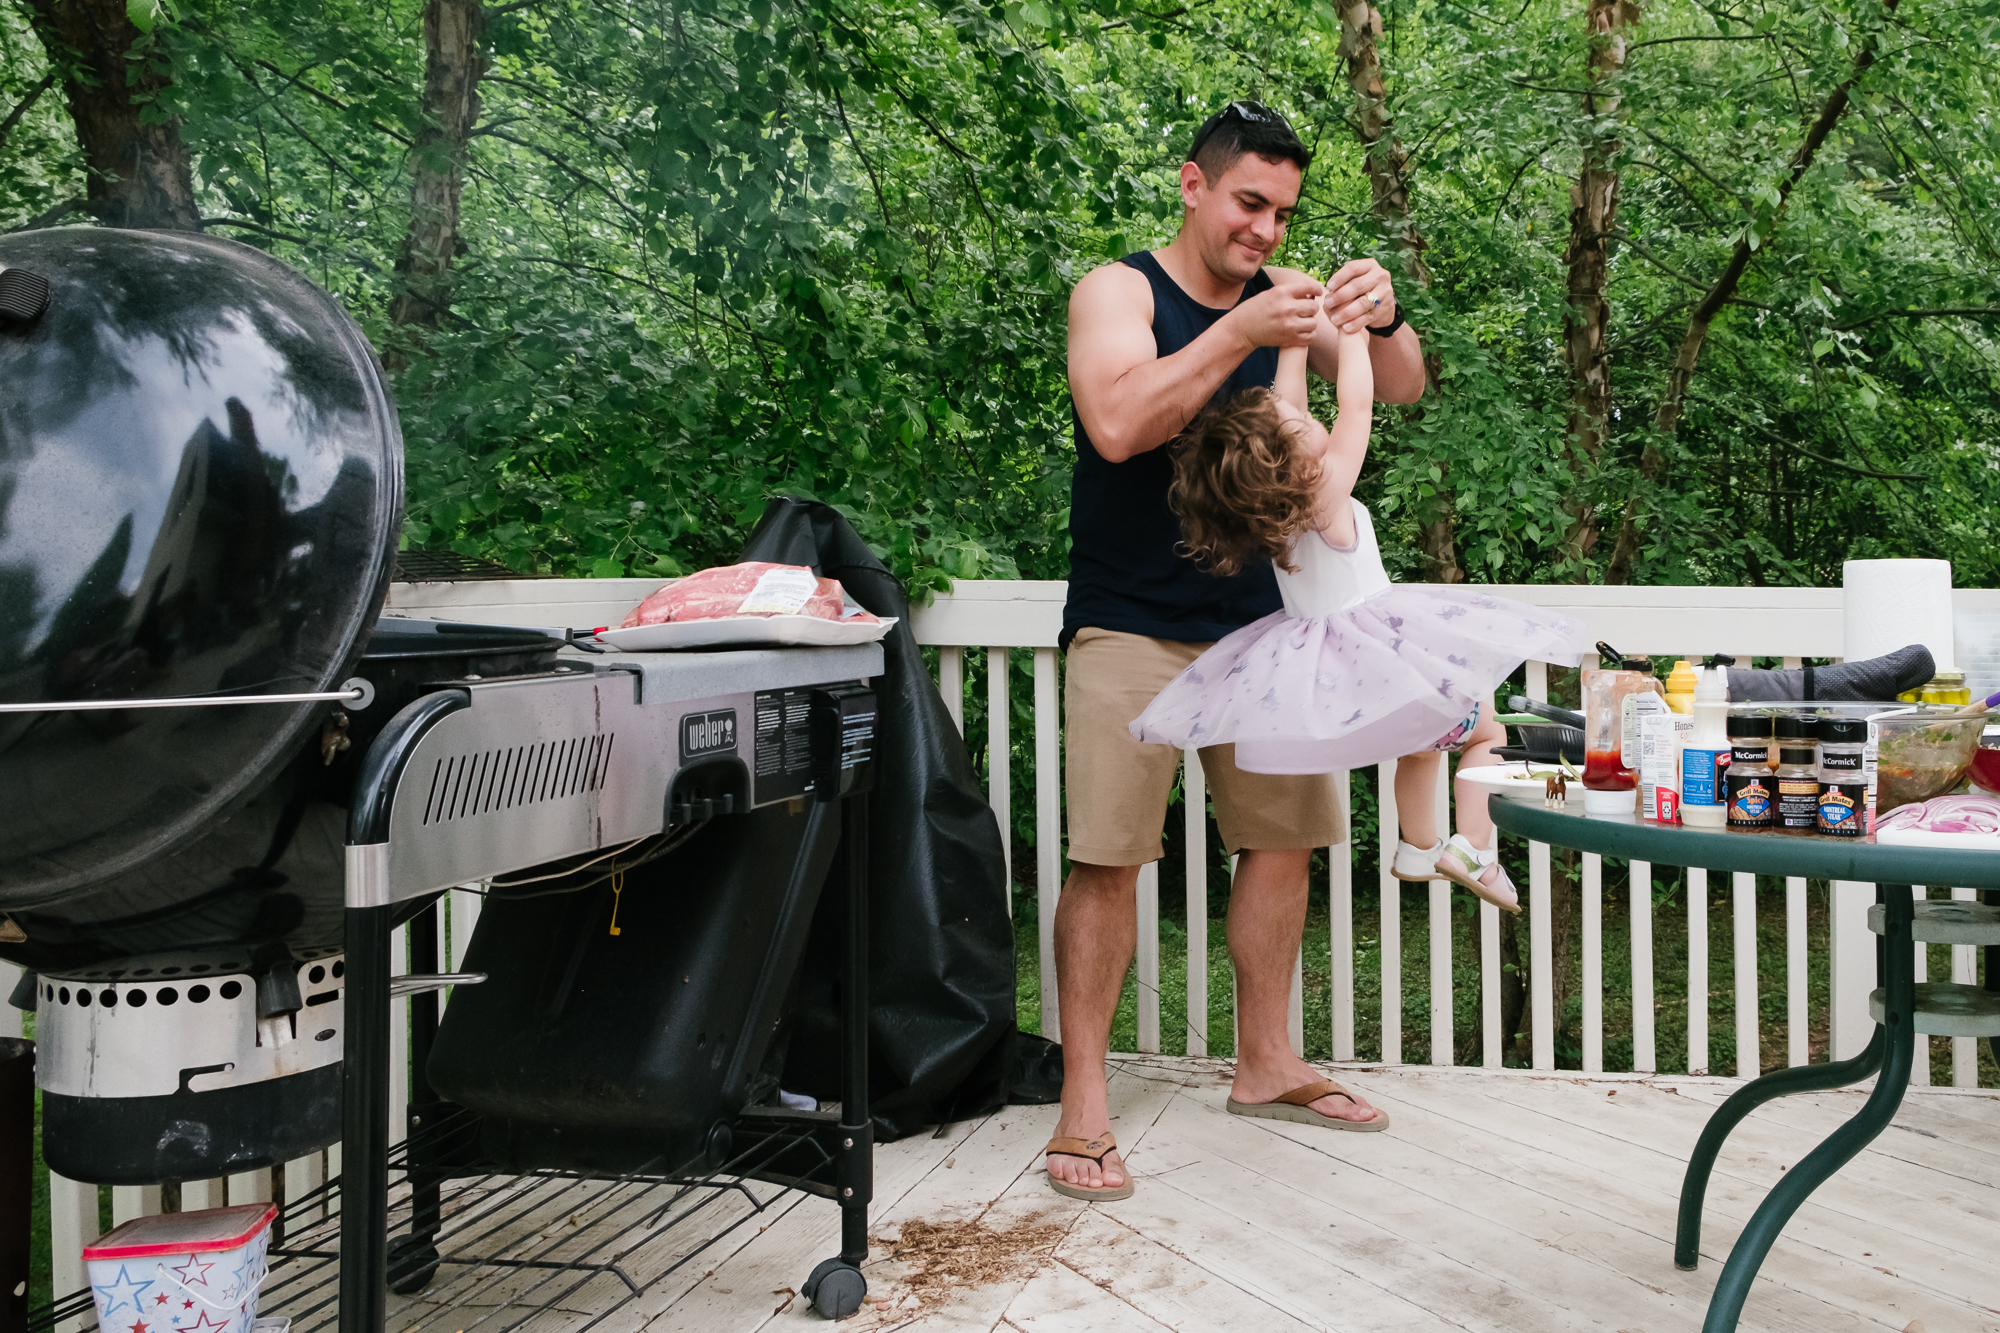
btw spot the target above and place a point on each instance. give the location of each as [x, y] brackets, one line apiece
[1965, 813]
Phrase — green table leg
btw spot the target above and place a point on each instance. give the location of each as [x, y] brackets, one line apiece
[1898, 1035]
[1779, 1083]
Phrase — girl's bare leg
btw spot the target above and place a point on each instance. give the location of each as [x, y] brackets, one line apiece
[1477, 752]
[1416, 797]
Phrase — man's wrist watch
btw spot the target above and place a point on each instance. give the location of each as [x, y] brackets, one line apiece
[1389, 330]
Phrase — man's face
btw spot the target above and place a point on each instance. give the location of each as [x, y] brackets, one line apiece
[1237, 221]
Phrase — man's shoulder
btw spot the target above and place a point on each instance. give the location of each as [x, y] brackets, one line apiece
[1114, 286]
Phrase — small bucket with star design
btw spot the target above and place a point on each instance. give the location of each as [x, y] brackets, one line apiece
[194, 1272]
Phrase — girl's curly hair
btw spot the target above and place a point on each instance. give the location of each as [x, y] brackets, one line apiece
[1241, 488]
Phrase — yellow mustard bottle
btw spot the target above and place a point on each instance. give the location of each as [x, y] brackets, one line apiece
[1680, 688]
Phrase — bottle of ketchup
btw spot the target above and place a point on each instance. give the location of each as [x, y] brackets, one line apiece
[1611, 705]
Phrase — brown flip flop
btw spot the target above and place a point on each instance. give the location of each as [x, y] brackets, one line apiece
[1296, 1106]
[1090, 1150]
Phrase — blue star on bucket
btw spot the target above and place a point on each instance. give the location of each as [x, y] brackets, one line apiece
[120, 1292]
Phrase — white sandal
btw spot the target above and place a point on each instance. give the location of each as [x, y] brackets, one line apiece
[1417, 863]
[1462, 864]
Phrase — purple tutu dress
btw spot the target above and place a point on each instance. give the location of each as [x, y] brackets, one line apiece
[1355, 670]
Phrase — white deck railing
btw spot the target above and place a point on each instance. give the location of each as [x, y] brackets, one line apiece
[998, 616]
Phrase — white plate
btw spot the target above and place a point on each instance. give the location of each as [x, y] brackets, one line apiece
[745, 632]
[1510, 780]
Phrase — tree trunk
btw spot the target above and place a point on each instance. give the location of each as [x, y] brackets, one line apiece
[1389, 195]
[138, 174]
[1389, 188]
[1593, 214]
[1667, 420]
[453, 67]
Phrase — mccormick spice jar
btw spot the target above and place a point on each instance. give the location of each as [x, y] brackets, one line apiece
[1797, 774]
[1748, 784]
[1843, 779]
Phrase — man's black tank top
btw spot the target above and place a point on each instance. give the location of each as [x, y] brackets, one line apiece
[1125, 569]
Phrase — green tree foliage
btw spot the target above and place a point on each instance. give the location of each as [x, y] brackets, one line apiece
[714, 250]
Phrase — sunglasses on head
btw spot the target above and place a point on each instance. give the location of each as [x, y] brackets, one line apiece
[1251, 113]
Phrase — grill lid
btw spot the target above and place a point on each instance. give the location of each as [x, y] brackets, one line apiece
[200, 492]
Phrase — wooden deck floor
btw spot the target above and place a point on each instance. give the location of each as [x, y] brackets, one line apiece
[1497, 1200]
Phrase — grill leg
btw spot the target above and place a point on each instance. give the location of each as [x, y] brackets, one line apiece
[856, 1128]
[364, 1124]
[1898, 978]
[413, 1259]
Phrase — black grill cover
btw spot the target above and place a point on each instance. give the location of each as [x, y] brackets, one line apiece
[200, 492]
[941, 1034]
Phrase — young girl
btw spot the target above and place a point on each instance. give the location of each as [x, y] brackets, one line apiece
[1354, 670]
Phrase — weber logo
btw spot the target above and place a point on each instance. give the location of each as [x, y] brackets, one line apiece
[708, 733]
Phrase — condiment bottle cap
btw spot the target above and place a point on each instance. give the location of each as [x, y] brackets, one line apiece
[1754, 725]
[1843, 730]
[1797, 726]
[1681, 679]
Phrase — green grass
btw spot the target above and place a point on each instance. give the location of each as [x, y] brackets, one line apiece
[1670, 985]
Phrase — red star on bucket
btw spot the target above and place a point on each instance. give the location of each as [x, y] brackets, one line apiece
[138, 1326]
[187, 1305]
[160, 1299]
[205, 1322]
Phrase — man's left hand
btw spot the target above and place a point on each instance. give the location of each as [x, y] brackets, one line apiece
[1360, 295]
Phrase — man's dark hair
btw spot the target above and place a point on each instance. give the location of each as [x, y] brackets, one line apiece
[1245, 127]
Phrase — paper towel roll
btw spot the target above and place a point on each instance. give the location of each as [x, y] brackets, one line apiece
[1890, 603]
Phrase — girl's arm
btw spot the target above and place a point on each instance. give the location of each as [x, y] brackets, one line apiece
[1347, 440]
[1291, 385]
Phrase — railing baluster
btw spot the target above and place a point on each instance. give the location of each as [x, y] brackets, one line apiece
[1697, 905]
[1340, 930]
[1194, 801]
[1964, 971]
[1048, 828]
[1852, 946]
[1593, 963]
[72, 1225]
[251, 1186]
[303, 1175]
[1148, 908]
[1541, 953]
[10, 1017]
[1920, 1068]
[1491, 1039]
[1391, 929]
[951, 683]
[199, 1194]
[1798, 1021]
[1641, 893]
[999, 747]
[1441, 960]
[1748, 1056]
[132, 1201]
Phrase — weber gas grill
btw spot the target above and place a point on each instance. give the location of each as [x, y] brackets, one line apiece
[225, 778]
[729, 780]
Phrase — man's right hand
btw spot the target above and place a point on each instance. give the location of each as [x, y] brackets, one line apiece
[1285, 316]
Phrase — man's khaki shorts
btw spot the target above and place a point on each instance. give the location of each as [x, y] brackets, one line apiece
[1117, 788]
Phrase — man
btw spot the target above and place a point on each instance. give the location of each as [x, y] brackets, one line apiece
[1153, 339]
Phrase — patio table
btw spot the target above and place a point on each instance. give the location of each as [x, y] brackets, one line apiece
[1901, 1008]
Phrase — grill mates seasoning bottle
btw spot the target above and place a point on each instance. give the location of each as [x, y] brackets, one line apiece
[1797, 774]
[1843, 781]
[1749, 784]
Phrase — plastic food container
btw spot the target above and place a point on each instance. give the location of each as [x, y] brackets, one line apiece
[1921, 753]
[182, 1272]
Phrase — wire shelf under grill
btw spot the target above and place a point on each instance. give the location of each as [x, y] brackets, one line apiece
[550, 1251]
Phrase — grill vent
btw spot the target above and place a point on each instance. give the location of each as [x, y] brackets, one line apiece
[485, 781]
